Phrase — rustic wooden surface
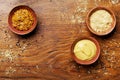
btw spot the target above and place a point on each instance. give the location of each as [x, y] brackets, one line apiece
[45, 53]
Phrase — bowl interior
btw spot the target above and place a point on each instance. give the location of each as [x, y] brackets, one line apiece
[108, 30]
[86, 62]
[10, 20]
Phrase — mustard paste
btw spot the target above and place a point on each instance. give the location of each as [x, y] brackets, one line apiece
[85, 49]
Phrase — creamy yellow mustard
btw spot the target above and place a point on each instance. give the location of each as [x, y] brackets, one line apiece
[85, 49]
[101, 20]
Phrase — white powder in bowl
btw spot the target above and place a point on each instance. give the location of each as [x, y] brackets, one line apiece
[101, 20]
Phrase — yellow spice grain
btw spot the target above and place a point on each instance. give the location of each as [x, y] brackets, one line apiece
[22, 19]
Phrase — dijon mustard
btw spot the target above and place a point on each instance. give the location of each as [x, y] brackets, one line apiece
[85, 49]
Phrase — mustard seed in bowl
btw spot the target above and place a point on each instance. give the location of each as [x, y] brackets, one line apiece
[22, 20]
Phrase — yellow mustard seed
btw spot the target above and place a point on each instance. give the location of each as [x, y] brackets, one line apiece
[22, 20]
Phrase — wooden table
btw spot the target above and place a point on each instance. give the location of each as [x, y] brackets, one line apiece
[45, 54]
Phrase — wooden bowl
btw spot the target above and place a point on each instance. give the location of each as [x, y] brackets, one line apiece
[10, 20]
[108, 30]
[86, 62]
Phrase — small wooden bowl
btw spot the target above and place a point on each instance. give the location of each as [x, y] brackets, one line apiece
[86, 62]
[105, 32]
[10, 20]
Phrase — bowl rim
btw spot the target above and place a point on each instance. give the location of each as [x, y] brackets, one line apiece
[10, 20]
[86, 62]
[101, 8]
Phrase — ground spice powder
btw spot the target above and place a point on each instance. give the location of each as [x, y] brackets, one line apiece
[101, 21]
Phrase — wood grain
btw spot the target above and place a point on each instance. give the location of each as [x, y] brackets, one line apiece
[45, 54]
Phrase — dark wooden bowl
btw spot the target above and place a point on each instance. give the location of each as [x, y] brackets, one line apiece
[86, 62]
[10, 20]
[105, 32]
